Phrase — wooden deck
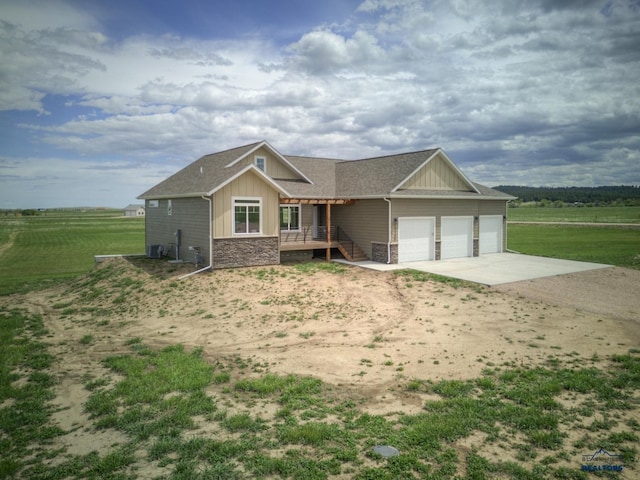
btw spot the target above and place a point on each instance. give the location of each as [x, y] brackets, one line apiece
[310, 245]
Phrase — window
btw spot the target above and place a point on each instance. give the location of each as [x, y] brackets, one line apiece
[289, 217]
[153, 203]
[246, 216]
[261, 163]
[169, 208]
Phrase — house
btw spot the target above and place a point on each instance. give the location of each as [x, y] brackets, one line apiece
[252, 205]
[134, 211]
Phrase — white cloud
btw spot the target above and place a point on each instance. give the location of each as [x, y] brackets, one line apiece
[33, 15]
[324, 51]
[531, 89]
[47, 182]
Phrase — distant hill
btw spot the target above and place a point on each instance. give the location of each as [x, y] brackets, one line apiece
[607, 195]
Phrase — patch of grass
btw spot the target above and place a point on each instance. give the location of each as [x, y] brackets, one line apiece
[25, 390]
[584, 214]
[418, 276]
[74, 236]
[312, 433]
[243, 422]
[150, 376]
[320, 266]
[453, 388]
[612, 246]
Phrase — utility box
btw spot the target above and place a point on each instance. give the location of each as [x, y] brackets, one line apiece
[154, 251]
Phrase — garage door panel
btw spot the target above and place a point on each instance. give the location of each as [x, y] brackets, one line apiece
[415, 239]
[456, 237]
[490, 234]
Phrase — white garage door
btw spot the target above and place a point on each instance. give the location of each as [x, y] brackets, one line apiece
[415, 239]
[490, 234]
[456, 237]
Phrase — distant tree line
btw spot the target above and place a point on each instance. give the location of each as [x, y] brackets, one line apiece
[580, 196]
[27, 212]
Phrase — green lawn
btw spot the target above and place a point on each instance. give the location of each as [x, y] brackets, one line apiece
[62, 244]
[575, 214]
[613, 246]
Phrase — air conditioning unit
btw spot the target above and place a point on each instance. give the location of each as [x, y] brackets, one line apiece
[154, 251]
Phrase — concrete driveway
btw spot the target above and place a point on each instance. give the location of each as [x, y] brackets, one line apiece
[493, 269]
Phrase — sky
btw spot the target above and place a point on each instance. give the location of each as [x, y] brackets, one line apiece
[100, 100]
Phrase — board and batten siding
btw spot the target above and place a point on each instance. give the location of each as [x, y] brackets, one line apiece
[249, 185]
[189, 215]
[274, 166]
[437, 174]
[365, 221]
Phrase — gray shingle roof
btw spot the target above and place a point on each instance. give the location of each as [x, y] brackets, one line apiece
[377, 176]
[201, 176]
[332, 178]
[322, 171]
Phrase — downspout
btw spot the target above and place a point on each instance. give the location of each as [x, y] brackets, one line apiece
[182, 277]
[389, 239]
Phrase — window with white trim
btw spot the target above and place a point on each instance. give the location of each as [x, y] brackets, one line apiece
[289, 217]
[169, 208]
[154, 203]
[247, 216]
[261, 163]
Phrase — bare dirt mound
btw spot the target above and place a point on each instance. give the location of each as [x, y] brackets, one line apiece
[368, 332]
[349, 326]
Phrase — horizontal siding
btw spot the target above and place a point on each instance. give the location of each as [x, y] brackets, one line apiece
[306, 212]
[190, 215]
[492, 207]
[365, 221]
[247, 185]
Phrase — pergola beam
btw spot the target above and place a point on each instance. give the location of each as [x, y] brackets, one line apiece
[317, 201]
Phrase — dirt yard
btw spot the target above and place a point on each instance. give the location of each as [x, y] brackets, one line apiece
[367, 331]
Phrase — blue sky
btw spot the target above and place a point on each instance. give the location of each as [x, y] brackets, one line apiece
[100, 100]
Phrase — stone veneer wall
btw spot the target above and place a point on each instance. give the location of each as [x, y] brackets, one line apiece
[476, 247]
[379, 252]
[245, 252]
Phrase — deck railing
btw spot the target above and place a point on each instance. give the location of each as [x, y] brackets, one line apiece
[302, 235]
[306, 234]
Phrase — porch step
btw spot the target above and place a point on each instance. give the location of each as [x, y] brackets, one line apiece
[352, 252]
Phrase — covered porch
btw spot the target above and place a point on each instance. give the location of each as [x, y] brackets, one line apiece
[320, 234]
[307, 238]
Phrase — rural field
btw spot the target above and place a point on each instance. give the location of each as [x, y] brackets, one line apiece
[300, 371]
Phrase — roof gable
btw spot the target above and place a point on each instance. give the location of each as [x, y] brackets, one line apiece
[437, 172]
[256, 171]
[377, 176]
[285, 165]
